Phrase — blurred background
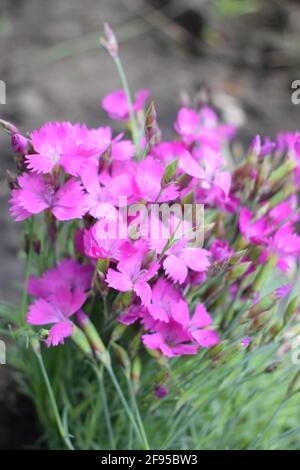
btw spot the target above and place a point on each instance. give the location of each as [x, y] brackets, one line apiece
[244, 54]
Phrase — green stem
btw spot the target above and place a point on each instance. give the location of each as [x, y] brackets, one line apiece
[132, 120]
[60, 426]
[137, 411]
[125, 404]
[105, 408]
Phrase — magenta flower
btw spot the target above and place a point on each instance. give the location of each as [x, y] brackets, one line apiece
[182, 335]
[147, 182]
[69, 274]
[246, 341]
[56, 310]
[187, 123]
[116, 105]
[35, 195]
[180, 257]
[165, 300]
[220, 250]
[68, 145]
[172, 339]
[255, 232]
[102, 244]
[122, 149]
[103, 197]
[132, 276]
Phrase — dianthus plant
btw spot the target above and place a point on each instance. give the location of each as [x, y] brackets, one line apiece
[159, 297]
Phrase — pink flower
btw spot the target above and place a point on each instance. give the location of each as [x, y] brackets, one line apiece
[36, 195]
[56, 310]
[187, 123]
[183, 335]
[147, 182]
[122, 149]
[171, 339]
[246, 341]
[67, 145]
[220, 250]
[253, 231]
[132, 276]
[102, 244]
[69, 274]
[168, 151]
[116, 105]
[180, 258]
[103, 197]
[165, 300]
[213, 182]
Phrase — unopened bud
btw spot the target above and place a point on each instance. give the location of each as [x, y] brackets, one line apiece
[290, 310]
[109, 41]
[19, 143]
[136, 373]
[81, 341]
[93, 337]
[152, 131]
[281, 172]
[122, 356]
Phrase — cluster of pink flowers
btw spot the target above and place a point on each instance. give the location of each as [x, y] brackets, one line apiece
[72, 172]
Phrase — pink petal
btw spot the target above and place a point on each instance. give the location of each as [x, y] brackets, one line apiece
[206, 338]
[187, 122]
[123, 150]
[59, 332]
[40, 163]
[175, 268]
[42, 312]
[201, 317]
[118, 281]
[158, 313]
[197, 259]
[181, 313]
[70, 201]
[190, 166]
[143, 291]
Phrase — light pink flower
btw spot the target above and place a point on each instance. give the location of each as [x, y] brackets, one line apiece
[253, 231]
[180, 257]
[187, 123]
[36, 195]
[69, 274]
[68, 145]
[147, 182]
[165, 300]
[220, 250]
[122, 149]
[56, 310]
[104, 196]
[132, 276]
[183, 335]
[116, 105]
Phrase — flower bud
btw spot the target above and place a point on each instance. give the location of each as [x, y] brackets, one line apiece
[282, 171]
[290, 310]
[160, 392]
[19, 143]
[136, 373]
[81, 341]
[93, 337]
[109, 41]
[122, 356]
